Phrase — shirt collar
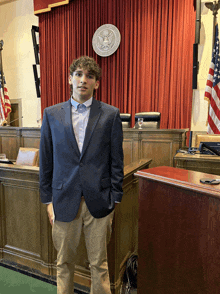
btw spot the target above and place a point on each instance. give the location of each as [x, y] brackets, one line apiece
[86, 103]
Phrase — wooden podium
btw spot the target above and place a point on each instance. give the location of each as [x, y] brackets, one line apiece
[179, 232]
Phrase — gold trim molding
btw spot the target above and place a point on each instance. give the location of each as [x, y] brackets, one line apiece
[51, 6]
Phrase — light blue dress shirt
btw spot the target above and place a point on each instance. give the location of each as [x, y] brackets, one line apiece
[80, 117]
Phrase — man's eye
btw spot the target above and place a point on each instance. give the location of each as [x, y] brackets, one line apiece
[78, 74]
[90, 76]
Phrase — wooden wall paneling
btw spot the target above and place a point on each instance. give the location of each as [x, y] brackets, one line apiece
[22, 219]
[160, 145]
[130, 147]
[30, 137]
[127, 148]
[161, 151]
[11, 138]
[10, 141]
[26, 234]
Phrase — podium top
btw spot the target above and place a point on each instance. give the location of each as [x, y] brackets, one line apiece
[186, 179]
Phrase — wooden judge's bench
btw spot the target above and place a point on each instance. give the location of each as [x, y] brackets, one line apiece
[25, 231]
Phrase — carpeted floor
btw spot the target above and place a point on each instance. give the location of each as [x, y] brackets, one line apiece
[14, 282]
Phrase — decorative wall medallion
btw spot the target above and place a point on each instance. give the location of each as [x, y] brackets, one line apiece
[106, 40]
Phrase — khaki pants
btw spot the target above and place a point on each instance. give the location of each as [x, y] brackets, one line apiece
[66, 237]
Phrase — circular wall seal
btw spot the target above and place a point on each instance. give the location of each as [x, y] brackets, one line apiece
[106, 40]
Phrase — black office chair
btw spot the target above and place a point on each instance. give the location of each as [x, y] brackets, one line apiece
[150, 119]
[126, 120]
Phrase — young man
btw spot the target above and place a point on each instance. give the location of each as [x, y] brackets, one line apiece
[81, 175]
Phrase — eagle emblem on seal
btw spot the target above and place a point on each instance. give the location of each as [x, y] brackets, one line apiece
[106, 40]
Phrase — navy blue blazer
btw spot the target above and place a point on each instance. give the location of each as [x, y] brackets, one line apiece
[96, 173]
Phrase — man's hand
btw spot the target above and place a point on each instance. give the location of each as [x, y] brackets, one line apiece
[50, 213]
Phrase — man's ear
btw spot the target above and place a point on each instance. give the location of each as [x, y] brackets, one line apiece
[96, 85]
[70, 79]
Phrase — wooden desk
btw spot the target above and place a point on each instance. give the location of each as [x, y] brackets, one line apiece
[25, 231]
[159, 144]
[198, 162]
[179, 240]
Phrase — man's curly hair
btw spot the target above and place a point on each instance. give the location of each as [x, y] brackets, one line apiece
[86, 63]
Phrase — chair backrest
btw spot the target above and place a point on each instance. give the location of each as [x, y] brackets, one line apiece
[126, 120]
[151, 119]
[28, 156]
[206, 138]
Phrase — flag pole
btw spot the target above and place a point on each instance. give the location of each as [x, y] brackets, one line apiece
[1, 66]
[214, 7]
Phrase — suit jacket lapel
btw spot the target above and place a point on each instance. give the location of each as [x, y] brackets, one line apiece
[66, 117]
[95, 113]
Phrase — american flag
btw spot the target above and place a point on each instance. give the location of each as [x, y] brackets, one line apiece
[212, 90]
[5, 105]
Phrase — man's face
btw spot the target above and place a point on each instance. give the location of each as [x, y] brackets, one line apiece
[83, 83]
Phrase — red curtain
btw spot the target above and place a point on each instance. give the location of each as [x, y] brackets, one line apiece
[151, 70]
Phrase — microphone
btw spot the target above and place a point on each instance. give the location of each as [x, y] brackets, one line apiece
[5, 124]
[191, 149]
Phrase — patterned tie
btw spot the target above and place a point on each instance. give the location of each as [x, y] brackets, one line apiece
[81, 108]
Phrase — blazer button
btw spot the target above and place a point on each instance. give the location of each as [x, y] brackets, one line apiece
[81, 164]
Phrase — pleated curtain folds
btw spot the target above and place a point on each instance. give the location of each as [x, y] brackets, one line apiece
[150, 71]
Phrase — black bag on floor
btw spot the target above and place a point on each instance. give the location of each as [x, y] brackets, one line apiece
[130, 275]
